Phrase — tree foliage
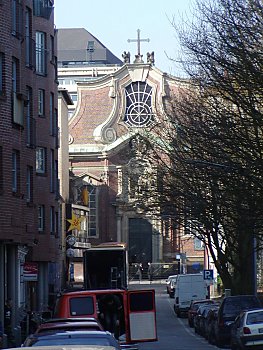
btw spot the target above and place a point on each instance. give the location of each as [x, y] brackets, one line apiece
[208, 149]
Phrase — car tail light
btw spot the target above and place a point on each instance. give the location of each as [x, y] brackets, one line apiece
[246, 330]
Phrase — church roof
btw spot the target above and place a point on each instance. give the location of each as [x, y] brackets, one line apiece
[78, 46]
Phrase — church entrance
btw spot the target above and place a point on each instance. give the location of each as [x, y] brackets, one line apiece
[140, 241]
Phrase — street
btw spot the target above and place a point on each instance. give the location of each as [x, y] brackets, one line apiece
[173, 333]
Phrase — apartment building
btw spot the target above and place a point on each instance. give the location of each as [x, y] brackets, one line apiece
[29, 222]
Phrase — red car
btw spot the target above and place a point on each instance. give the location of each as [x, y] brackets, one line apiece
[194, 307]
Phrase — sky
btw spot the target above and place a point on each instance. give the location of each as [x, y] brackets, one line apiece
[114, 22]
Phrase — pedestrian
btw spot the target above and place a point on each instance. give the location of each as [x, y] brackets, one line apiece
[8, 323]
[110, 308]
[139, 271]
[150, 272]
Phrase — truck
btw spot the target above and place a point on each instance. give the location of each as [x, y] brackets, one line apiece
[189, 287]
[105, 266]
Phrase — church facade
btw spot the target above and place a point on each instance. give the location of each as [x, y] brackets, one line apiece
[107, 163]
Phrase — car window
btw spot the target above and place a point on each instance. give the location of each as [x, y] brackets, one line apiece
[233, 306]
[81, 306]
[255, 317]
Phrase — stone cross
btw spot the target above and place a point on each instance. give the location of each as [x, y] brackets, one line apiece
[138, 40]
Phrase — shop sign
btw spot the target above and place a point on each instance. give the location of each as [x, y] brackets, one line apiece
[30, 271]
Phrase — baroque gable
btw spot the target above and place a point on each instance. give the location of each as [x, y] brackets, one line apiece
[107, 108]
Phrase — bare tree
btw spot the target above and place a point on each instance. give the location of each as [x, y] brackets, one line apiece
[209, 148]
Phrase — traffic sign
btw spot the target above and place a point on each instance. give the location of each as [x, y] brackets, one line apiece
[208, 275]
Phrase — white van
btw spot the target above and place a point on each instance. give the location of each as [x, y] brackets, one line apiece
[189, 287]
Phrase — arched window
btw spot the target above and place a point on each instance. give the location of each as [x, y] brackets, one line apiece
[138, 111]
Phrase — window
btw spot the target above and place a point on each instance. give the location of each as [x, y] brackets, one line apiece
[41, 53]
[41, 160]
[29, 184]
[43, 8]
[15, 75]
[15, 171]
[17, 18]
[56, 180]
[81, 306]
[74, 97]
[51, 114]
[17, 101]
[41, 218]
[1, 170]
[56, 224]
[30, 121]
[90, 46]
[52, 220]
[93, 211]
[28, 37]
[52, 173]
[198, 244]
[57, 130]
[1, 73]
[138, 105]
[41, 102]
[52, 49]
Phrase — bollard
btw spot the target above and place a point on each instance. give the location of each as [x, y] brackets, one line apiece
[227, 292]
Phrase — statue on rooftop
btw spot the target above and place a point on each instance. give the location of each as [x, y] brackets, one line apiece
[126, 57]
[150, 58]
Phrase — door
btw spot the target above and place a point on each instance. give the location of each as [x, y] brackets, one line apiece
[142, 315]
[140, 241]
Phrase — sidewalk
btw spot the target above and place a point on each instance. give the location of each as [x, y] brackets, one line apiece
[161, 281]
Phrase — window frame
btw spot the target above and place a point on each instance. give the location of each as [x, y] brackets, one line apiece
[29, 184]
[41, 168]
[41, 103]
[41, 53]
[41, 218]
[15, 171]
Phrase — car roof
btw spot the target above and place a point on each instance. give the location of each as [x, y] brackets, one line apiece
[74, 333]
[72, 325]
[71, 319]
[68, 347]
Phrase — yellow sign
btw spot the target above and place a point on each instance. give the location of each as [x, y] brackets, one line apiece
[74, 222]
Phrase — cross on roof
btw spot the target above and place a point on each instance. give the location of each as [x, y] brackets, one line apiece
[138, 40]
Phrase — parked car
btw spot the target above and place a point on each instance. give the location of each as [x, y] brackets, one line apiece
[168, 282]
[203, 319]
[229, 309]
[193, 309]
[89, 324]
[72, 338]
[188, 287]
[172, 287]
[211, 324]
[199, 318]
[247, 330]
[209, 318]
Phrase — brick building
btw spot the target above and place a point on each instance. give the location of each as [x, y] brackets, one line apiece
[29, 221]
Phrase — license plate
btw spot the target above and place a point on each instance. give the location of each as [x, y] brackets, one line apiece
[260, 330]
